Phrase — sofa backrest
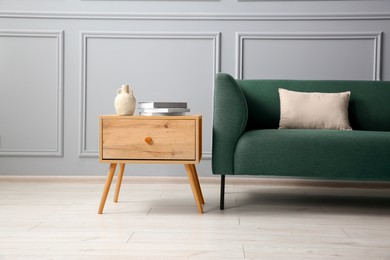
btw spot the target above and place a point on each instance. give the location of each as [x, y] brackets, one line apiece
[369, 107]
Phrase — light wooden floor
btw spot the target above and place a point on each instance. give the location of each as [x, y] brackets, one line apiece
[156, 218]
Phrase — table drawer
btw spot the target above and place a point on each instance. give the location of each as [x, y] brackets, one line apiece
[152, 139]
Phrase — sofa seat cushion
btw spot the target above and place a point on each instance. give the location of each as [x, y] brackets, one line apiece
[328, 154]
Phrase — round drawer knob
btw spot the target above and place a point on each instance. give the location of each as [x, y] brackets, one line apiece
[148, 140]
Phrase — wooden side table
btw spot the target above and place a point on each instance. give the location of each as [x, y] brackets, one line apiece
[150, 139]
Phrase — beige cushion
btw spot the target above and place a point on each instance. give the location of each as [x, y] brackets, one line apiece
[314, 110]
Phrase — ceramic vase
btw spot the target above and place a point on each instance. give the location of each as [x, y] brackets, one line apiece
[125, 101]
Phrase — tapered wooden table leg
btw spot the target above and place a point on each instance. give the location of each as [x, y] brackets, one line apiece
[107, 185]
[195, 190]
[119, 181]
[196, 179]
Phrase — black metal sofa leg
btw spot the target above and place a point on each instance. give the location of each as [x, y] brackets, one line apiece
[222, 202]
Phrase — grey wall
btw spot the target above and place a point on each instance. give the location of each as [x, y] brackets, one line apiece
[61, 62]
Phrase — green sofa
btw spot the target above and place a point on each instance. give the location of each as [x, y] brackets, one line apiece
[246, 139]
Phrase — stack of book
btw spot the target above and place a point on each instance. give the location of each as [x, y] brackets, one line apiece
[163, 108]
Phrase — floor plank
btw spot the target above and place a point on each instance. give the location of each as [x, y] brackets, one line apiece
[158, 220]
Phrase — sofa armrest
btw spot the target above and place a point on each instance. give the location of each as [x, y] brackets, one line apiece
[230, 117]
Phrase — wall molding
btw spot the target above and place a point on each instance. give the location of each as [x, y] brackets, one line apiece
[214, 37]
[375, 36]
[58, 151]
[185, 16]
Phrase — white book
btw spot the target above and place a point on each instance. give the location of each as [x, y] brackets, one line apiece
[162, 104]
[163, 114]
[165, 110]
